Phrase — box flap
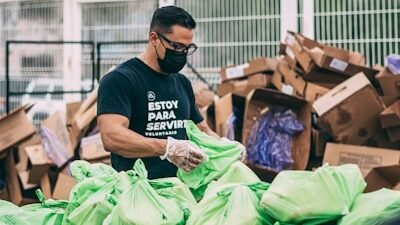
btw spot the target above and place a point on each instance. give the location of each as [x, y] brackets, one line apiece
[340, 93]
[71, 109]
[14, 128]
[390, 117]
[366, 158]
[63, 187]
[223, 110]
[13, 187]
[23, 176]
[37, 155]
[383, 177]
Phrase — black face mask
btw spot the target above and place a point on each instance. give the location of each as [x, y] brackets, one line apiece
[173, 61]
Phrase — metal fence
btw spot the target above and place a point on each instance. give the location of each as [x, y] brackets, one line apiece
[232, 32]
[48, 85]
[368, 26]
[33, 20]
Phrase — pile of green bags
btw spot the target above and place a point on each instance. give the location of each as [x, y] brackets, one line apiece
[305, 197]
[221, 191]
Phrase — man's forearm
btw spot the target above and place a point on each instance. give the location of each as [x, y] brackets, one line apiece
[130, 144]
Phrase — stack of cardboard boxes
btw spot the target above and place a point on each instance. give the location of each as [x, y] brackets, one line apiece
[350, 112]
[32, 160]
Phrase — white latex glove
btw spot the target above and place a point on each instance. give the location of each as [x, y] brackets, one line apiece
[183, 154]
[243, 154]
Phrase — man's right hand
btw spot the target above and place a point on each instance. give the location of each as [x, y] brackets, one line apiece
[183, 154]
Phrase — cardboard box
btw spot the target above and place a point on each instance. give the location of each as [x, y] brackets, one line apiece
[83, 117]
[244, 86]
[323, 63]
[259, 99]
[383, 177]
[366, 158]
[14, 128]
[63, 187]
[345, 113]
[38, 161]
[254, 66]
[390, 117]
[22, 161]
[389, 83]
[288, 81]
[92, 148]
[72, 109]
[60, 144]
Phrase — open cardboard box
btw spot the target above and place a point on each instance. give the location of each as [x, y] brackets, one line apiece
[256, 102]
[323, 63]
[254, 66]
[366, 158]
[350, 111]
[15, 128]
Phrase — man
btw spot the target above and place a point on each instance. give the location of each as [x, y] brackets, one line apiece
[144, 102]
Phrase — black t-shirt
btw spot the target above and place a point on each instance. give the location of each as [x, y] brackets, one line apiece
[157, 106]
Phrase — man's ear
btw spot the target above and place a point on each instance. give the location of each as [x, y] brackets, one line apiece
[153, 38]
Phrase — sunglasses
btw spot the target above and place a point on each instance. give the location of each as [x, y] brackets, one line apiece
[181, 48]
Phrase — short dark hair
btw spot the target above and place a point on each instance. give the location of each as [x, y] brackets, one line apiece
[165, 17]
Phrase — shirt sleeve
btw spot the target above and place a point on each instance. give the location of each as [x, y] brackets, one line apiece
[195, 115]
[115, 95]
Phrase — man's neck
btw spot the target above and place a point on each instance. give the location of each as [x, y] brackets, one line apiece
[150, 59]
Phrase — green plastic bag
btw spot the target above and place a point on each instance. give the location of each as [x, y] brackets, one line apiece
[379, 207]
[231, 204]
[221, 154]
[142, 205]
[238, 172]
[93, 199]
[48, 212]
[82, 170]
[313, 197]
[173, 188]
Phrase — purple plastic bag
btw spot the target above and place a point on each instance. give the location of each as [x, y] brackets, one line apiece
[270, 140]
[393, 63]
